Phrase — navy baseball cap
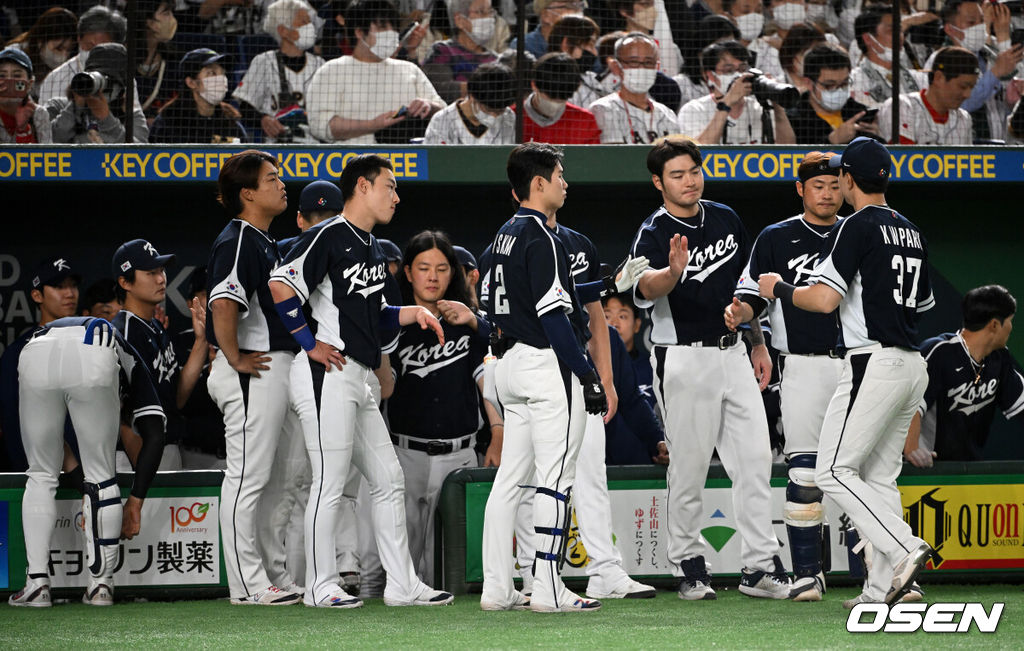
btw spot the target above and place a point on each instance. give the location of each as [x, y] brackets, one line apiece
[466, 259]
[138, 254]
[391, 251]
[196, 60]
[53, 272]
[319, 196]
[18, 56]
[865, 158]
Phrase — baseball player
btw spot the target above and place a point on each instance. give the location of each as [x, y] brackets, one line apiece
[875, 270]
[249, 377]
[809, 364]
[702, 375]
[339, 268]
[79, 366]
[970, 374]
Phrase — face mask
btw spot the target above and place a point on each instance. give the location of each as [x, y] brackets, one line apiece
[385, 45]
[973, 38]
[816, 13]
[833, 100]
[213, 89]
[483, 30]
[725, 80]
[165, 29]
[52, 59]
[307, 37]
[646, 17]
[750, 25]
[638, 80]
[789, 14]
[546, 106]
[485, 118]
[586, 61]
[886, 52]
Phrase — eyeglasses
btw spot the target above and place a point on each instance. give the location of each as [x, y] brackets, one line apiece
[487, 12]
[835, 85]
[638, 63]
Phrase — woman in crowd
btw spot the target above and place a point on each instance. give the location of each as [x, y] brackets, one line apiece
[48, 43]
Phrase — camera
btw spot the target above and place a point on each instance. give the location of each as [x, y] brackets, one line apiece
[87, 84]
[769, 90]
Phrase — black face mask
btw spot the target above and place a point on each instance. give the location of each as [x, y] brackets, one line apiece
[587, 61]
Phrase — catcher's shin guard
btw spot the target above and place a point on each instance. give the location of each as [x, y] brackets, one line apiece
[804, 516]
[101, 509]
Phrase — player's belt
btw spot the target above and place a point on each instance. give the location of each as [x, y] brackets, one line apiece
[433, 447]
[831, 352]
[723, 342]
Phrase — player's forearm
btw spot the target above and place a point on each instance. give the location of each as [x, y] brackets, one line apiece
[746, 311]
[131, 443]
[407, 314]
[385, 377]
[191, 371]
[913, 434]
[655, 284]
[756, 336]
[224, 312]
[599, 345]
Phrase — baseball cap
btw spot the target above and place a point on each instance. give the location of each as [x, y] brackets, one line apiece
[196, 60]
[18, 56]
[391, 251]
[52, 272]
[138, 254]
[109, 59]
[865, 158]
[320, 196]
[466, 259]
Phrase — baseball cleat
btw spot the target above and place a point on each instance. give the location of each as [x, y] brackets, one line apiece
[350, 583]
[294, 588]
[568, 602]
[427, 597]
[859, 599]
[527, 582]
[767, 585]
[519, 602]
[272, 596]
[99, 594]
[808, 588]
[914, 593]
[627, 588]
[339, 599]
[35, 594]
[906, 571]
[696, 590]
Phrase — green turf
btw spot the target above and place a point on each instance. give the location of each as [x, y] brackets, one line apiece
[732, 622]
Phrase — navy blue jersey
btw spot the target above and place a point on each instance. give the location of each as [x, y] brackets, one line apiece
[632, 435]
[436, 394]
[341, 271]
[155, 347]
[530, 277]
[791, 248]
[965, 396]
[240, 264]
[641, 363]
[878, 261]
[719, 248]
[137, 388]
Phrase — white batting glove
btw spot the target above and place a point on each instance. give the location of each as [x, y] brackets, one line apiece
[632, 270]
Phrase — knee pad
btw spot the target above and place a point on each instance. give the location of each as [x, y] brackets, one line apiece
[101, 509]
[560, 533]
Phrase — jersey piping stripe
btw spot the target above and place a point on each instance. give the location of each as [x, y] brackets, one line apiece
[317, 381]
[1017, 407]
[859, 364]
[567, 387]
[243, 383]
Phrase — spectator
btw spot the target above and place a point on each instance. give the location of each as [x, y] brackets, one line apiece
[24, 121]
[48, 43]
[826, 112]
[451, 62]
[822, 15]
[153, 77]
[223, 16]
[549, 115]
[630, 116]
[99, 300]
[272, 93]
[965, 26]
[730, 114]
[93, 109]
[481, 118]
[870, 81]
[798, 42]
[748, 15]
[933, 116]
[95, 26]
[577, 37]
[357, 99]
[666, 90]
[548, 12]
[622, 314]
[200, 114]
[785, 15]
[648, 17]
[711, 29]
[1015, 121]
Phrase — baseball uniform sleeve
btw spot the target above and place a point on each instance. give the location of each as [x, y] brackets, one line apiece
[306, 264]
[477, 350]
[1011, 389]
[484, 267]
[234, 271]
[930, 351]
[593, 272]
[925, 297]
[544, 263]
[141, 391]
[843, 250]
[646, 244]
[757, 263]
[391, 296]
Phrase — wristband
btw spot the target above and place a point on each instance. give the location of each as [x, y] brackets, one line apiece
[784, 292]
[722, 106]
[290, 311]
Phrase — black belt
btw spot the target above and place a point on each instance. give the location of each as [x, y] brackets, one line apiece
[723, 342]
[831, 353]
[434, 448]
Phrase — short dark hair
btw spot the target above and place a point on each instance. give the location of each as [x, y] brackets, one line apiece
[982, 304]
[240, 171]
[799, 38]
[362, 14]
[952, 62]
[557, 75]
[579, 30]
[627, 302]
[824, 57]
[668, 149]
[367, 166]
[866, 23]
[119, 292]
[951, 8]
[530, 160]
[714, 27]
[493, 85]
[101, 291]
[457, 289]
[712, 54]
[869, 186]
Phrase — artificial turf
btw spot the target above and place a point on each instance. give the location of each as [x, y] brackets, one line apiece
[732, 622]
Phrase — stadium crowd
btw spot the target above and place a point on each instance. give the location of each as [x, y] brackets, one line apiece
[607, 71]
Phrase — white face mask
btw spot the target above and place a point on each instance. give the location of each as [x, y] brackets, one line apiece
[789, 14]
[973, 38]
[886, 52]
[213, 89]
[638, 80]
[307, 37]
[52, 59]
[833, 100]
[750, 25]
[725, 80]
[385, 45]
[546, 106]
[816, 13]
[646, 17]
[485, 118]
[483, 30]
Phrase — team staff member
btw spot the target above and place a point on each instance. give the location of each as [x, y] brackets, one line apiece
[95, 365]
[339, 268]
[810, 365]
[703, 380]
[249, 376]
[875, 270]
[970, 373]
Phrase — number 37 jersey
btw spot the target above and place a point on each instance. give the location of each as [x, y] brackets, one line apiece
[878, 261]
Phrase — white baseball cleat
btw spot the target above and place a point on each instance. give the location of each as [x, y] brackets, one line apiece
[906, 571]
[808, 588]
[914, 594]
[568, 602]
[294, 588]
[339, 599]
[696, 590]
[527, 582]
[427, 597]
[519, 602]
[272, 596]
[767, 585]
[100, 593]
[859, 599]
[35, 594]
[625, 588]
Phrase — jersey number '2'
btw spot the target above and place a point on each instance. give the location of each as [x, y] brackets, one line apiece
[500, 302]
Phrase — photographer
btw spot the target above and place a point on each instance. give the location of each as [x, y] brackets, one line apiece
[93, 110]
[24, 121]
[732, 114]
[200, 114]
[827, 113]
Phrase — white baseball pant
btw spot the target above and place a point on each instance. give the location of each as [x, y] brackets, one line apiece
[287, 487]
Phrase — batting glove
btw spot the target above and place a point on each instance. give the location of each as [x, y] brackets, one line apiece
[594, 398]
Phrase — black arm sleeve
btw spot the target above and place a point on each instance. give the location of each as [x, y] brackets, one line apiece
[755, 302]
[151, 429]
